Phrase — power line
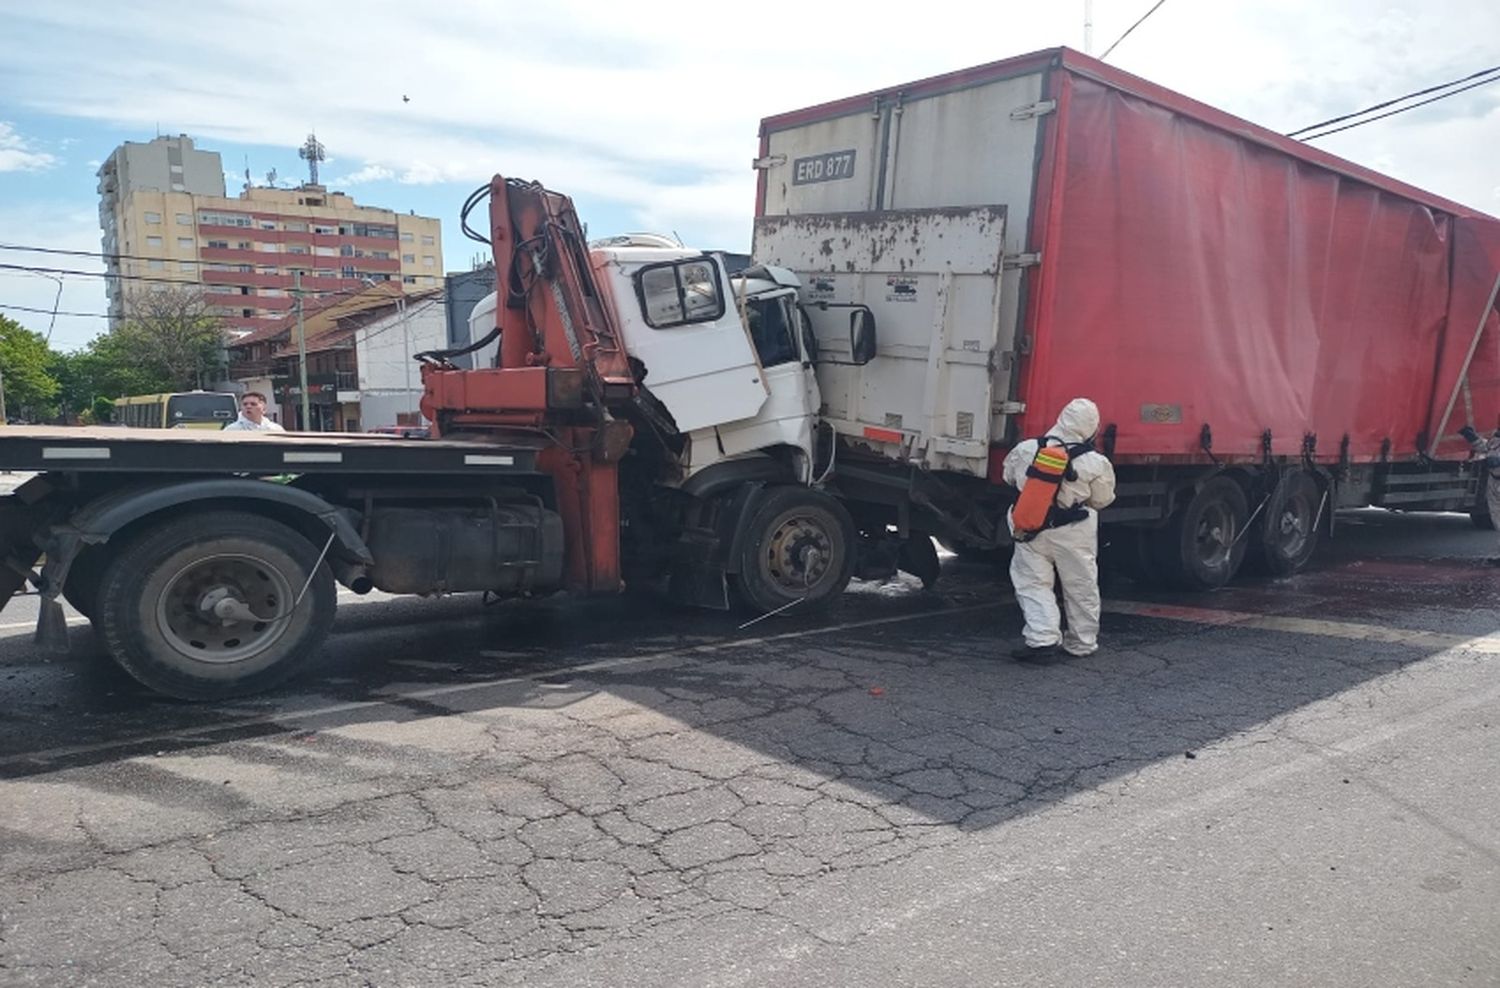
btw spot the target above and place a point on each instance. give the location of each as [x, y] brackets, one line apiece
[1131, 28]
[48, 312]
[1398, 99]
[1403, 109]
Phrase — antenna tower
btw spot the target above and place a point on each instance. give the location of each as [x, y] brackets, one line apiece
[312, 153]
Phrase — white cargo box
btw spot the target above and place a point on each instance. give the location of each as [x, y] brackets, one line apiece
[931, 278]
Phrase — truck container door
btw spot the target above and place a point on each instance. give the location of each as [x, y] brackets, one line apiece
[931, 277]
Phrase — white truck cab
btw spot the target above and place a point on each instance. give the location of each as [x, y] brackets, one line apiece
[729, 358]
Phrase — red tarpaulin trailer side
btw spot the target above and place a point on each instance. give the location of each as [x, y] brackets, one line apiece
[1190, 277]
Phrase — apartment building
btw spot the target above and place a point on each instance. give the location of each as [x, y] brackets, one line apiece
[167, 220]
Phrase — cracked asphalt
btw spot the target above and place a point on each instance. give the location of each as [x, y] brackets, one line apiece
[1285, 782]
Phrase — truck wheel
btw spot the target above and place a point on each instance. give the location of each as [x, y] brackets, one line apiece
[201, 608]
[798, 546]
[1200, 548]
[1285, 537]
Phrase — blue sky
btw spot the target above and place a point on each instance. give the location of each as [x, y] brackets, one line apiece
[645, 113]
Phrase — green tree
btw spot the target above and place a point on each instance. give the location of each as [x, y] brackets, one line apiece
[25, 362]
[106, 368]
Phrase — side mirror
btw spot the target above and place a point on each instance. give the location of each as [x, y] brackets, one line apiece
[862, 336]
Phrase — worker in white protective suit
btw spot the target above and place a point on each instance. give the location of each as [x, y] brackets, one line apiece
[1068, 549]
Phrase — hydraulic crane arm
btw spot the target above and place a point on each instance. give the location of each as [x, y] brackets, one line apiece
[561, 357]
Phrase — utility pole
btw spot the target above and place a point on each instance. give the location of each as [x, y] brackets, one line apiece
[301, 350]
[406, 351]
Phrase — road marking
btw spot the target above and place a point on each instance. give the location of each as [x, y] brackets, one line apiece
[1348, 630]
[29, 625]
[386, 699]
[76, 621]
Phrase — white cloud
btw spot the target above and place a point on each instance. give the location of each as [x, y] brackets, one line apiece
[17, 155]
[369, 173]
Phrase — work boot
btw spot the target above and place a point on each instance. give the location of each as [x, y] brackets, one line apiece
[1039, 655]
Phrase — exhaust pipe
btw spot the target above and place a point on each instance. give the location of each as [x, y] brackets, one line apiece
[355, 576]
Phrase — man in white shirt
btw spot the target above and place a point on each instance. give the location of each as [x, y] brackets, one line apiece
[253, 415]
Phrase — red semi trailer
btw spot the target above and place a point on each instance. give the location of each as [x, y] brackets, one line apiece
[1272, 333]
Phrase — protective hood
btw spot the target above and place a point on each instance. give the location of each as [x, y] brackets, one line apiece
[1079, 421]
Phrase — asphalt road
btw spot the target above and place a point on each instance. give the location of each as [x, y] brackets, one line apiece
[1280, 783]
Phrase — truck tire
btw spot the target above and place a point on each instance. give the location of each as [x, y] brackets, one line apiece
[1286, 536]
[1200, 548]
[156, 594]
[798, 545]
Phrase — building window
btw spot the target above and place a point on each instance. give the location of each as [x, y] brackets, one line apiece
[381, 255]
[327, 252]
[428, 261]
[408, 258]
[223, 219]
[186, 243]
[188, 267]
[223, 244]
[153, 218]
[153, 241]
[245, 268]
[293, 226]
[156, 265]
[347, 271]
[269, 269]
[407, 238]
[296, 249]
[183, 219]
[428, 240]
[428, 279]
[242, 245]
[346, 251]
[408, 279]
[323, 229]
[267, 225]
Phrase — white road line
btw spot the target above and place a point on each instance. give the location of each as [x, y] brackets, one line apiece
[29, 625]
[1348, 630]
